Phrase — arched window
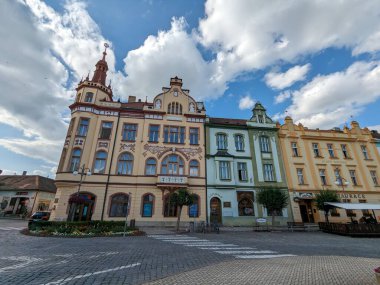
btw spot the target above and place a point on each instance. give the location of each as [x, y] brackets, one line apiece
[194, 168]
[147, 205]
[170, 208]
[173, 165]
[221, 141]
[194, 208]
[75, 160]
[100, 162]
[125, 164]
[150, 166]
[175, 108]
[119, 205]
[246, 207]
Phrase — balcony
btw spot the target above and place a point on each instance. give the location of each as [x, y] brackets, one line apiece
[172, 181]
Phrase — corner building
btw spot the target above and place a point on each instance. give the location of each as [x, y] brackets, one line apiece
[137, 153]
[345, 161]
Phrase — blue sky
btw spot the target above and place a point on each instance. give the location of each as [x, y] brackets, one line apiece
[315, 61]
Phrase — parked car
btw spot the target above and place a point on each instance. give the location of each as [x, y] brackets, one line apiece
[40, 216]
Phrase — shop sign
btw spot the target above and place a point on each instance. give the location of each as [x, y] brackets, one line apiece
[306, 195]
[226, 204]
[359, 196]
[261, 220]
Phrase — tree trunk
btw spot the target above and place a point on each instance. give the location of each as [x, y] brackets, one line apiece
[327, 216]
[179, 217]
[273, 219]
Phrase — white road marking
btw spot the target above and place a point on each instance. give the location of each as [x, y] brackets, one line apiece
[5, 229]
[103, 254]
[226, 248]
[210, 244]
[263, 256]
[65, 280]
[245, 251]
[25, 261]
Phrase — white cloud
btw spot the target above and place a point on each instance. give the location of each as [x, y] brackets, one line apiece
[288, 78]
[248, 35]
[283, 96]
[246, 103]
[375, 127]
[170, 53]
[331, 99]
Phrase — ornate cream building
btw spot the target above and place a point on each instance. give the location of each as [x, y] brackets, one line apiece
[136, 152]
[345, 161]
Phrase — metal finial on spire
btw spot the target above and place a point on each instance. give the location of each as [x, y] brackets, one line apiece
[88, 76]
[105, 50]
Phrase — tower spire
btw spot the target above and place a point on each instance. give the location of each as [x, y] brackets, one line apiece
[100, 73]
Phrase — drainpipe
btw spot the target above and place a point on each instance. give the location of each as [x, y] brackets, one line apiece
[205, 146]
[109, 170]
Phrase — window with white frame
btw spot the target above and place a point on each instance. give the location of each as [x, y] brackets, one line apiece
[337, 176]
[194, 135]
[150, 166]
[322, 175]
[174, 134]
[353, 177]
[316, 150]
[224, 170]
[330, 149]
[83, 127]
[154, 131]
[345, 151]
[300, 176]
[295, 149]
[194, 168]
[242, 171]
[125, 164]
[239, 142]
[100, 162]
[268, 172]
[129, 132]
[221, 141]
[374, 177]
[264, 144]
[105, 131]
[364, 151]
[88, 97]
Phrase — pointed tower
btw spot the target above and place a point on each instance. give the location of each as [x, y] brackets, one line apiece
[100, 73]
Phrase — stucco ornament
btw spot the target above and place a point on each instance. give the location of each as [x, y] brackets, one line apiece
[157, 104]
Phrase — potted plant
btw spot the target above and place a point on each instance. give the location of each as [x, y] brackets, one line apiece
[377, 273]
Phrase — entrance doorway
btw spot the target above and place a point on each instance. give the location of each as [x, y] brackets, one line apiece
[215, 210]
[81, 207]
[306, 211]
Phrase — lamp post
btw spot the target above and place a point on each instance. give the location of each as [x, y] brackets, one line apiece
[340, 180]
[83, 171]
[126, 214]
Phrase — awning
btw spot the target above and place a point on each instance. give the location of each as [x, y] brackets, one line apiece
[355, 206]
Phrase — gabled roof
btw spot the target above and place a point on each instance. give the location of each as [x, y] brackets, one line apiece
[27, 182]
[375, 134]
[227, 121]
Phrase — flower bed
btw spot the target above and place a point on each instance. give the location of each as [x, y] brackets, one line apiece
[80, 229]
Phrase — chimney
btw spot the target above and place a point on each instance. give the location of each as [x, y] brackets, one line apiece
[131, 99]
[24, 173]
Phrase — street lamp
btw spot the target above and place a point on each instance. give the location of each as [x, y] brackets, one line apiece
[83, 171]
[126, 214]
[340, 180]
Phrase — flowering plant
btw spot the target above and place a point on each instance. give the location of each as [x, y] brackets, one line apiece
[377, 270]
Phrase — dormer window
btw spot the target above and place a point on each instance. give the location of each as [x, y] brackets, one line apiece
[157, 104]
[89, 97]
[260, 119]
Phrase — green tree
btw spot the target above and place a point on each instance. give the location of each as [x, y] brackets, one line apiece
[326, 196]
[181, 198]
[274, 200]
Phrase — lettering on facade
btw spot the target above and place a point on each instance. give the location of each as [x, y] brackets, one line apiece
[130, 147]
[172, 179]
[359, 196]
[160, 150]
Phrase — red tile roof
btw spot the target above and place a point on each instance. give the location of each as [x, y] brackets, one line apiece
[227, 121]
[27, 182]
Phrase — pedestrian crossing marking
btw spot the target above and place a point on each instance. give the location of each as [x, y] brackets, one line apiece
[10, 229]
[220, 247]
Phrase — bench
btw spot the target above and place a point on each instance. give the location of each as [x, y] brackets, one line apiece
[296, 225]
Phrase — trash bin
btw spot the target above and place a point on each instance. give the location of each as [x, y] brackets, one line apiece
[132, 223]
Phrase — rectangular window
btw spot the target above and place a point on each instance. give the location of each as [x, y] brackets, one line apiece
[242, 171]
[338, 178]
[364, 151]
[374, 177]
[344, 151]
[295, 149]
[105, 132]
[88, 97]
[83, 127]
[174, 134]
[221, 141]
[154, 133]
[353, 177]
[264, 144]
[224, 170]
[260, 119]
[330, 149]
[316, 150]
[268, 172]
[239, 143]
[194, 136]
[322, 175]
[129, 132]
[301, 181]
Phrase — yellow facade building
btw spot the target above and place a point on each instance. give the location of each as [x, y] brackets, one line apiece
[136, 152]
[345, 161]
